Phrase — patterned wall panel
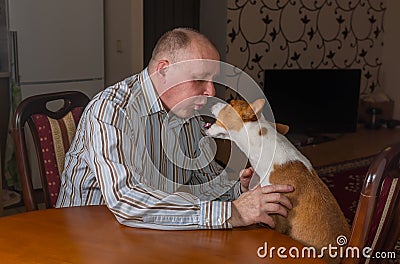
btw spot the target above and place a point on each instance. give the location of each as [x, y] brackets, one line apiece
[307, 34]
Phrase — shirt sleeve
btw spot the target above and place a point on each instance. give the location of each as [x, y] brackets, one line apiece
[222, 184]
[112, 146]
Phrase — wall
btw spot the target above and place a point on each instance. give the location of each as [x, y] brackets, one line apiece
[307, 34]
[391, 54]
[213, 23]
[124, 21]
[123, 39]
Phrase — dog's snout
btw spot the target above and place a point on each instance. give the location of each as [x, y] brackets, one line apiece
[207, 125]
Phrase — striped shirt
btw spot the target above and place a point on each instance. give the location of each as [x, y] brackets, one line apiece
[151, 169]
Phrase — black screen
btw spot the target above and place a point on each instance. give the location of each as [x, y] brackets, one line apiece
[314, 100]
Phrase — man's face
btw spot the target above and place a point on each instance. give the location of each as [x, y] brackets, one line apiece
[189, 83]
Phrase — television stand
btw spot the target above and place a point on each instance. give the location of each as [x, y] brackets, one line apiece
[300, 139]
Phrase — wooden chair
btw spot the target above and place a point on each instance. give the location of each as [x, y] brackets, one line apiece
[377, 219]
[52, 133]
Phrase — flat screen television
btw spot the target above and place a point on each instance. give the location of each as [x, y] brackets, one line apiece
[314, 101]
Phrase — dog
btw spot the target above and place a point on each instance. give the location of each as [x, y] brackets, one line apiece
[316, 219]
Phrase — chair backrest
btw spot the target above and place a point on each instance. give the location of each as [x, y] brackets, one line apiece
[52, 133]
[377, 220]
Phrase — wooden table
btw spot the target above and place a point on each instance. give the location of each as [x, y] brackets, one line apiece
[92, 235]
[363, 143]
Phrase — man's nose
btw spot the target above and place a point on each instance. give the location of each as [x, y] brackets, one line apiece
[210, 90]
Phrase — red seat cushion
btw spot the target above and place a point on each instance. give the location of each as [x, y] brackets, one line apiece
[55, 137]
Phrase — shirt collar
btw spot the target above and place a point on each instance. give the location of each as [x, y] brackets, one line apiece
[153, 104]
[152, 101]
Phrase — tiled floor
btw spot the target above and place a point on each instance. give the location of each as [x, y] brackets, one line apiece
[13, 210]
[18, 207]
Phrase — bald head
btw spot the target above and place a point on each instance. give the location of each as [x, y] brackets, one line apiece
[182, 44]
[182, 68]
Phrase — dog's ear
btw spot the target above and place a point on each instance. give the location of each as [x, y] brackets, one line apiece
[281, 128]
[258, 105]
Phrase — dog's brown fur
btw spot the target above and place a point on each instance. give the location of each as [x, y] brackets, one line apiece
[314, 207]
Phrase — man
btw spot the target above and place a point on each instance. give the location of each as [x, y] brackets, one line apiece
[137, 142]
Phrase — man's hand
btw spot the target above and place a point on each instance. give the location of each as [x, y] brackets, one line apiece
[245, 177]
[255, 205]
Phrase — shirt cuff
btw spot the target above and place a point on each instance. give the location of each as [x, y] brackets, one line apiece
[215, 215]
[237, 191]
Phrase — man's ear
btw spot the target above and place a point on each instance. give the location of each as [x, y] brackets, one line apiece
[162, 67]
[281, 128]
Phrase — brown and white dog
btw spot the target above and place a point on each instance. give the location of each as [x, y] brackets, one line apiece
[316, 218]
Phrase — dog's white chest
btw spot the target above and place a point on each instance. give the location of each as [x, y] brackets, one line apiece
[267, 151]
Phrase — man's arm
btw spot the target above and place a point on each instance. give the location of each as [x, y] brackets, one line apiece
[114, 152]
